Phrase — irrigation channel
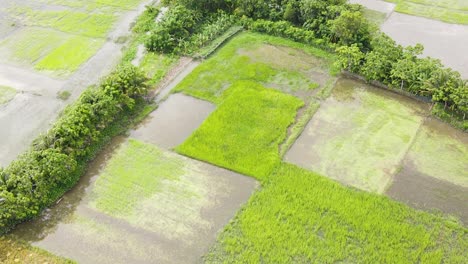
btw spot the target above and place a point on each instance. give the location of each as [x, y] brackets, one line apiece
[444, 41]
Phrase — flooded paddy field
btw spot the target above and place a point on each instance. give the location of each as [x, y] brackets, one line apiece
[359, 135]
[174, 121]
[382, 142]
[139, 203]
[39, 59]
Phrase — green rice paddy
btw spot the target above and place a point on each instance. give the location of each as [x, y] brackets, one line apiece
[302, 217]
[451, 11]
[250, 113]
[6, 94]
[70, 55]
[243, 59]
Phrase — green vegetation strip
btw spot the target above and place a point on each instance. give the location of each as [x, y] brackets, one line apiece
[6, 94]
[301, 217]
[450, 11]
[245, 131]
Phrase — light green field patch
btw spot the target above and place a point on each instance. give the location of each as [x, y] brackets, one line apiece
[248, 57]
[6, 94]
[90, 25]
[358, 136]
[451, 11]
[154, 189]
[69, 56]
[301, 217]
[245, 131]
[30, 44]
[124, 4]
[442, 155]
[156, 66]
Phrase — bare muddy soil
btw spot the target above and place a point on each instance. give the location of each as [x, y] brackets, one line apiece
[176, 224]
[422, 191]
[174, 121]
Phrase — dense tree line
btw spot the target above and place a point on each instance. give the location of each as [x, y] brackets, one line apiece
[361, 47]
[52, 165]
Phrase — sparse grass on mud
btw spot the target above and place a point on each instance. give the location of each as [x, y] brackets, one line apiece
[12, 251]
[245, 131]
[248, 57]
[301, 217]
[451, 11]
[6, 94]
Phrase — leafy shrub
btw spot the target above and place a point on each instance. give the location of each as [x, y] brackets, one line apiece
[52, 165]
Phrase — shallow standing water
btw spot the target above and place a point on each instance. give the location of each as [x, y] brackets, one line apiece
[175, 224]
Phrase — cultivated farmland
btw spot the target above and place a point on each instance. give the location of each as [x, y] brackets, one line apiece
[219, 139]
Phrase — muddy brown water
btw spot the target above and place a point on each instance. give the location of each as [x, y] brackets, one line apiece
[76, 230]
[173, 121]
[425, 192]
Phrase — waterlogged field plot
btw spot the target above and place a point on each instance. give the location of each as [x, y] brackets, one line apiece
[301, 217]
[294, 68]
[434, 174]
[56, 36]
[359, 136]
[245, 131]
[451, 11]
[147, 205]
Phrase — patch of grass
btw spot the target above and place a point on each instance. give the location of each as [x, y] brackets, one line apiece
[299, 126]
[245, 131]
[69, 56]
[248, 57]
[12, 251]
[156, 66]
[6, 94]
[450, 11]
[123, 4]
[63, 95]
[90, 25]
[30, 44]
[441, 154]
[301, 217]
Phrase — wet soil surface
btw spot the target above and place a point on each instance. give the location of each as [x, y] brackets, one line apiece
[424, 192]
[33, 112]
[359, 135]
[173, 121]
[174, 227]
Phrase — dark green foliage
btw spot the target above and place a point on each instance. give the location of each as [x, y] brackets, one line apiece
[54, 162]
[176, 26]
[145, 22]
[403, 68]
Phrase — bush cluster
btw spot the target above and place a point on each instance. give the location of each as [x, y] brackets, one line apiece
[52, 165]
[405, 69]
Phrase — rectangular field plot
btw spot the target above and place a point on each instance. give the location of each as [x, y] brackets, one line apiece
[244, 132]
[294, 68]
[141, 204]
[451, 11]
[302, 217]
[358, 136]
